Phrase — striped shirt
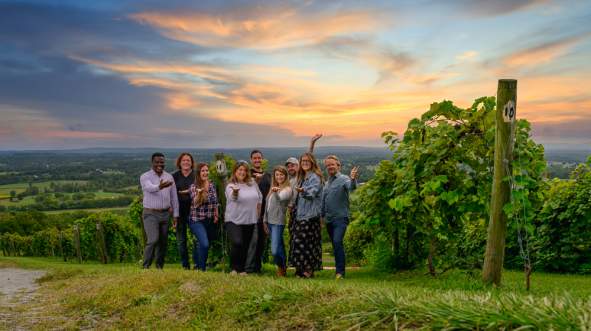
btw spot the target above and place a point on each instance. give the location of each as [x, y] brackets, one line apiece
[205, 210]
[156, 198]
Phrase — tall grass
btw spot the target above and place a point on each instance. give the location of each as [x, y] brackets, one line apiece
[124, 297]
[461, 310]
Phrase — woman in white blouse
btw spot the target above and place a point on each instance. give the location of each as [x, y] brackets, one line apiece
[243, 207]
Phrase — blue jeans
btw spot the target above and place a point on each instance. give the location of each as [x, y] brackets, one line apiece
[277, 245]
[200, 232]
[336, 231]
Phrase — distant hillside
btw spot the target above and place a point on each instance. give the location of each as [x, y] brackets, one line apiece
[554, 154]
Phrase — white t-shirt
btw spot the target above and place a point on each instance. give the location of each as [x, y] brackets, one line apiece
[243, 209]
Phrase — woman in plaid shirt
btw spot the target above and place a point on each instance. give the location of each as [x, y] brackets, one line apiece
[204, 210]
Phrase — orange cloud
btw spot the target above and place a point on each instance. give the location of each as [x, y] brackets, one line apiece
[260, 29]
[83, 134]
[305, 103]
[467, 56]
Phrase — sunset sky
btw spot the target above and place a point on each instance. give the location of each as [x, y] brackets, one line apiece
[260, 74]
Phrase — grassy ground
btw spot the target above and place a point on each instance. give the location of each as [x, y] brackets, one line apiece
[124, 297]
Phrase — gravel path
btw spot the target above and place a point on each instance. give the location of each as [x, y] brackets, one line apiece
[17, 287]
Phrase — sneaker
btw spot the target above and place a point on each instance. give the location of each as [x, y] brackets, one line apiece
[243, 273]
[234, 273]
[339, 276]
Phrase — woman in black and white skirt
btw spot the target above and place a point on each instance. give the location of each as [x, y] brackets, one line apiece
[306, 246]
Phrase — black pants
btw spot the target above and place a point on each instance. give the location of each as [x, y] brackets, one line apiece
[181, 239]
[240, 236]
[156, 227]
[256, 248]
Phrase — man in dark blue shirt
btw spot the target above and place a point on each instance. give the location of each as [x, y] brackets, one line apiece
[335, 207]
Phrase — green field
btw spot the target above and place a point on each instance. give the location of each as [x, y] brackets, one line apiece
[115, 210]
[29, 200]
[122, 296]
[20, 187]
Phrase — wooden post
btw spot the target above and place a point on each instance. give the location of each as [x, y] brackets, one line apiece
[12, 247]
[100, 241]
[77, 243]
[222, 173]
[61, 239]
[504, 138]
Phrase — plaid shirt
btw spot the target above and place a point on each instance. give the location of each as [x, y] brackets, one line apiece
[207, 209]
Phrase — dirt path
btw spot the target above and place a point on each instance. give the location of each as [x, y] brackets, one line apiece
[17, 287]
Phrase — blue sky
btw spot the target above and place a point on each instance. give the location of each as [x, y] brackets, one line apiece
[242, 73]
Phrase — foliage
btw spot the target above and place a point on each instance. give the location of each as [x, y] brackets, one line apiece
[29, 222]
[563, 228]
[431, 200]
[528, 189]
[122, 240]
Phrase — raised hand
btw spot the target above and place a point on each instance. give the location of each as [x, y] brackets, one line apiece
[354, 172]
[275, 189]
[164, 184]
[316, 137]
[257, 176]
[313, 142]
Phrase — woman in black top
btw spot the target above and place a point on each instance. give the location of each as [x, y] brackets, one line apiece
[184, 177]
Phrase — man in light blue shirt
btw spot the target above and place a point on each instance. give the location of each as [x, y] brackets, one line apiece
[335, 207]
[160, 200]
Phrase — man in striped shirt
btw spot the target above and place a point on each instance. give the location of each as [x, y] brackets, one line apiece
[160, 200]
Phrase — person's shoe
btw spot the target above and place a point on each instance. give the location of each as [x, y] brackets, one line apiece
[308, 274]
[243, 273]
[339, 276]
[281, 272]
[234, 273]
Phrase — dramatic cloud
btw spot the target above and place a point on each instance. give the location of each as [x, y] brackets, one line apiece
[239, 74]
[259, 27]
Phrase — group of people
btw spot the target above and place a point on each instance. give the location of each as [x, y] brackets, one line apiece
[258, 205]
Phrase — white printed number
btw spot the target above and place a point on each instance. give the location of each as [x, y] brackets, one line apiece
[509, 111]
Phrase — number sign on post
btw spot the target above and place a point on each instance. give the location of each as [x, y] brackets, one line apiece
[509, 112]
